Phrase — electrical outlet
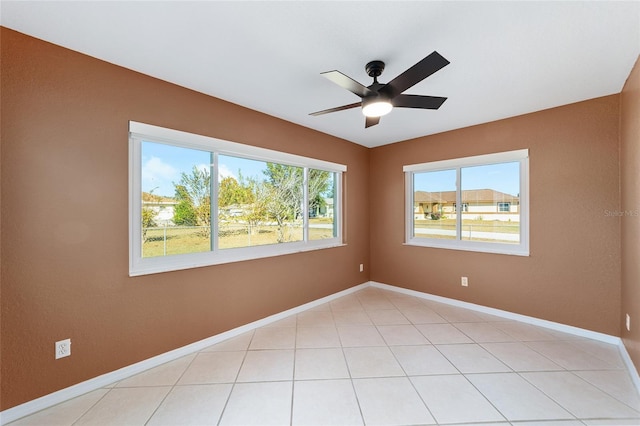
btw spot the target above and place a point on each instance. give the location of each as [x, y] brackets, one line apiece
[628, 323]
[464, 281]
[63, 348]
[361, 267]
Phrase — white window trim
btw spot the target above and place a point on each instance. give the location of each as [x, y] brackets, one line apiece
[521, 249]
[142, 266]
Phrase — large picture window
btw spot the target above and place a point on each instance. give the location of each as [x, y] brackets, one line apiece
[493, 192]
[197, 201]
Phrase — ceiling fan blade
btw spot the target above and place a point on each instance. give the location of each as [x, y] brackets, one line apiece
[348, 83]
[418, 101]
[415, 74]
[371, 121]
[340, 108]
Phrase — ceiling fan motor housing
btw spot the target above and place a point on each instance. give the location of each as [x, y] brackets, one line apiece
[374, 68]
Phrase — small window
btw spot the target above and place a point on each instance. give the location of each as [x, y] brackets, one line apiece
[465, 207]
[198, 201]
[504, 207]
[492, 191]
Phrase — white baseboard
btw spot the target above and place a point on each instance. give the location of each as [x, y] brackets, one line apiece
[65, 394]
[505, 314]
[62, 395]
[631, 368]
[576, 331]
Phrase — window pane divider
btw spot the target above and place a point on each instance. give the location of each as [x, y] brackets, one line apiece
[305, 204]
[213, 203]
[459, 207]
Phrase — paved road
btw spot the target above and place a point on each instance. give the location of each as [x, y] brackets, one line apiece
[501, 236]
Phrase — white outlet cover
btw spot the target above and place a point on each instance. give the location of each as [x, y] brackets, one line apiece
[628, 324]
[63, 348]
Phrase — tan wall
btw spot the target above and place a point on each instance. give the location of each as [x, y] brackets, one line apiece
[573, 273]
[65, 230]
[630, 229]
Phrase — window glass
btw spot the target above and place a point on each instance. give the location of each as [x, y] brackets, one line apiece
[282, 193]
[492, 194]
[176, 206]
[242, 215]
[322, 204]
[434, 200]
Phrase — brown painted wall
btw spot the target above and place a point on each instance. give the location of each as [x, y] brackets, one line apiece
[573, 273]
[630, 206]
[65, 232]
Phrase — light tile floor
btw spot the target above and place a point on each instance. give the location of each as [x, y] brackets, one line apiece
[375, 357]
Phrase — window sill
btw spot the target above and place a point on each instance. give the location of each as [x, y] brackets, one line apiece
[473, 247]
[161, 264]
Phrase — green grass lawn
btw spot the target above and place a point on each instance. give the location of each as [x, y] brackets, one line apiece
[181, 240]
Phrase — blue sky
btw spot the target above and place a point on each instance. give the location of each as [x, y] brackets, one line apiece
[162, 165]
[503, 177]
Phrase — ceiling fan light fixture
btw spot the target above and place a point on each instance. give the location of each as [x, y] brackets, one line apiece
[376, 107]
[379, 99]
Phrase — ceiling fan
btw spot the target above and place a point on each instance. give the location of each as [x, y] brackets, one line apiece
[379, 99]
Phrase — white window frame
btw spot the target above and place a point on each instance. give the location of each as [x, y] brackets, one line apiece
[139, 132]
[521, 249]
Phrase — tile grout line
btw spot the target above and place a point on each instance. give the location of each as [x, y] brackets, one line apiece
[293, 373]
[90, 408]
[351, 378]
[233, 384]
[604, 390]
[171, 388]
[407, 374]
[550, 397]
[574, 372]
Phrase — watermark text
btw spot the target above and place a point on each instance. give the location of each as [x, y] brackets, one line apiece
[622, 213]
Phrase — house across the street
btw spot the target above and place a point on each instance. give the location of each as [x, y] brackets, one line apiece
[488, 204]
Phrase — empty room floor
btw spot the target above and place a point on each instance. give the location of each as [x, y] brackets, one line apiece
[375, 357]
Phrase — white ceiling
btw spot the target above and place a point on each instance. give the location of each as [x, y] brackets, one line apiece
[507, 58]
